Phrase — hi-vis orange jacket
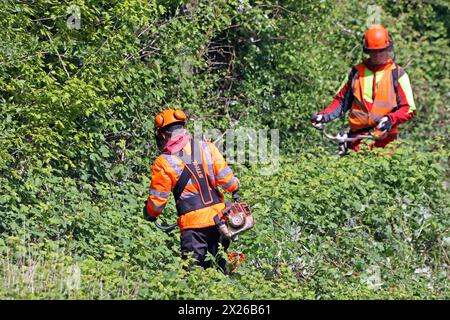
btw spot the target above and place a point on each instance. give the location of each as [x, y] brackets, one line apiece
[167, 170]
[373, 97]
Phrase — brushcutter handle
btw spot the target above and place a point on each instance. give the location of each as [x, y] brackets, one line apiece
[359, 137]
[343, 137]
[165, 228]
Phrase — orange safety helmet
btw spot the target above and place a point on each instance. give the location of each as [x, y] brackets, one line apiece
[377, 38]
[169, 116]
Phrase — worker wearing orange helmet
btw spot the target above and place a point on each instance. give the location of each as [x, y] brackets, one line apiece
[192, 170]
[377, 92]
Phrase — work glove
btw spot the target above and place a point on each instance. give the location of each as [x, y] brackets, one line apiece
[317, 121]
[385, 124]
[146, 215]
[235, 196]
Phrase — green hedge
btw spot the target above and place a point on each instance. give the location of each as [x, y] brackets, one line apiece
[323, 225]
[76, 147]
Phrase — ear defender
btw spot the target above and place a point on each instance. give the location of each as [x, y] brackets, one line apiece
[179, 115]
[159, 121]
[168, 117]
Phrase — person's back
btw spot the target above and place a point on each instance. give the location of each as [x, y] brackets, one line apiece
[192, 170]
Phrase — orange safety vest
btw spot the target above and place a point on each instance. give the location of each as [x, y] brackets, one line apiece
[383, 96]
[196, 207]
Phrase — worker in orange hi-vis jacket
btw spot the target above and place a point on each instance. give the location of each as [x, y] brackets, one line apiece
[192, 170]
[377, 92]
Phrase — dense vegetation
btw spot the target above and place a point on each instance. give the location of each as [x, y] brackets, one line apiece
[76, 148]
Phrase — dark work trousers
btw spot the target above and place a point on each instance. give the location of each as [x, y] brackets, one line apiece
[199, 242]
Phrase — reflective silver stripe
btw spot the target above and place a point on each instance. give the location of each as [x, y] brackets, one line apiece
[380, 104]
[207, 153]
[376, 117]
[384, 105]
[229, 184]
[155, 207]
[359, 103]
[358, 113]
[209, 161]
[160, 194]
[362, 114]
[222, 174]
[187, 195]
[173, 163]
[190, 183]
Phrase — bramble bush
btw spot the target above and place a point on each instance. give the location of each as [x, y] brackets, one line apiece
[76, 147]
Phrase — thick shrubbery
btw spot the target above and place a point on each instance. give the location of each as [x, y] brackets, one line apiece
[362, 226]
[76, 146]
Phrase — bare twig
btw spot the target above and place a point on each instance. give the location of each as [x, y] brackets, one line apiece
[410, 60]
[89, 58]
[22, 58]
[59, 56]
[343, 28]
[44, 19]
